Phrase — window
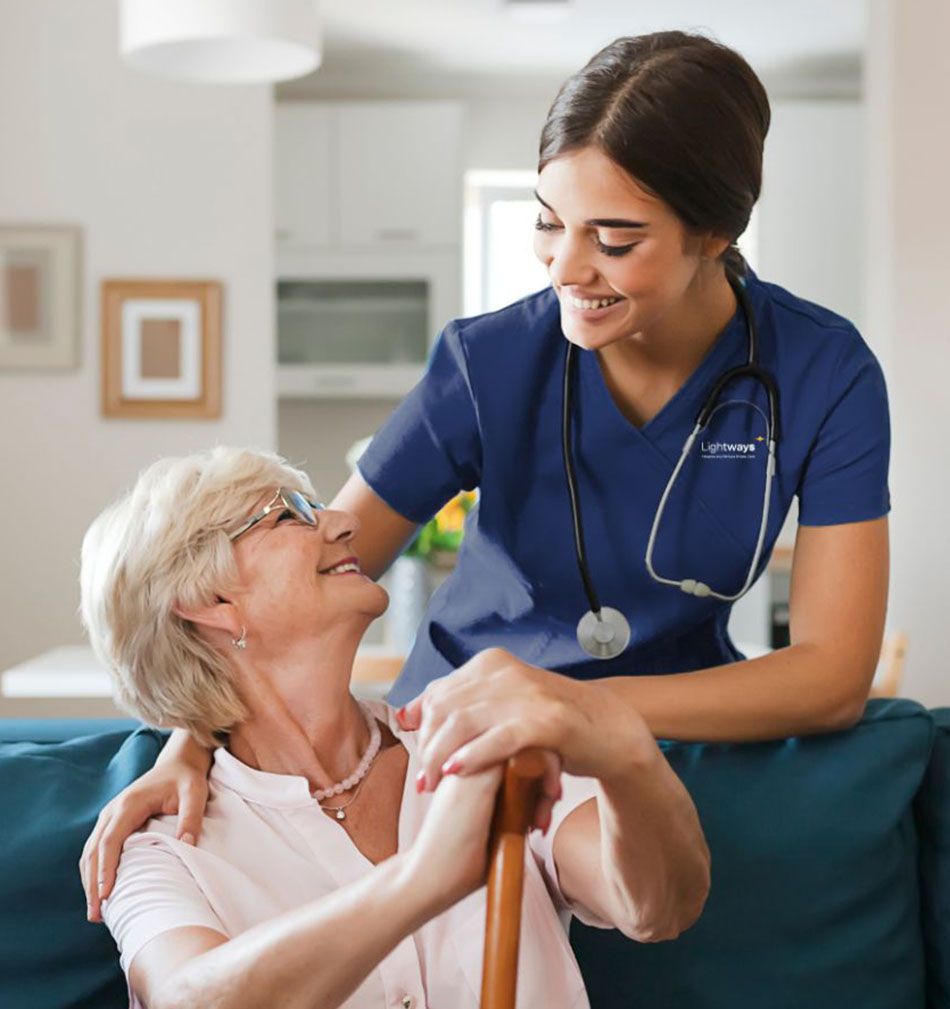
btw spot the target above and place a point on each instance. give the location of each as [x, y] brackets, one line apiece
[499, 262]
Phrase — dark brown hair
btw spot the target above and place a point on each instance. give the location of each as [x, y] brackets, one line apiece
[684, 115]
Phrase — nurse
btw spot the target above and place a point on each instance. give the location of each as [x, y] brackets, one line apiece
[650, 165]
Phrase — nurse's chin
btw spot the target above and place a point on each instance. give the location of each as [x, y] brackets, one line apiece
[589, 337]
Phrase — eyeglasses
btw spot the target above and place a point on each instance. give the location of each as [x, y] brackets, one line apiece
[284, 499]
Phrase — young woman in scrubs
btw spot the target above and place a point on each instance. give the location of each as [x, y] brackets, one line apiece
[650, 165]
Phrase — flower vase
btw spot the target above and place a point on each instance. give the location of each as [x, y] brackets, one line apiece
[409, 589]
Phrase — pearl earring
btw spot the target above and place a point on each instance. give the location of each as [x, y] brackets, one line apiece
[240, 642]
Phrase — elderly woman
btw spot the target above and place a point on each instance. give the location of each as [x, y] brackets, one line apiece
[228, 603]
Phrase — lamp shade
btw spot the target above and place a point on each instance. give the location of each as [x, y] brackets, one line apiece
[221, 41]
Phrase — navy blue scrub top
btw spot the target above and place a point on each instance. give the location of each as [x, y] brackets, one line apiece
[487, 414]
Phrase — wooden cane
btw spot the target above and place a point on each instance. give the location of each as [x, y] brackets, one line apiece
[514, 811]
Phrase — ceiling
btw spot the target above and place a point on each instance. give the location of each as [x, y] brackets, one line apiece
[472, 48]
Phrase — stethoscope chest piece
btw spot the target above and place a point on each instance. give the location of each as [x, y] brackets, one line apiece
[603, 638]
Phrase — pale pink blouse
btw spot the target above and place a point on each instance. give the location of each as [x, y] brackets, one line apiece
[266, 847]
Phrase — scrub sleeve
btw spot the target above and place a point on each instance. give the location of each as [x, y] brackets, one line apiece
[845, 474]
[429, 449]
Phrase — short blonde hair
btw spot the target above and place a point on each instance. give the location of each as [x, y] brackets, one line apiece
[165, 542]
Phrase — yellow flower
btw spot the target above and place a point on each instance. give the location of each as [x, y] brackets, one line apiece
[451, 518]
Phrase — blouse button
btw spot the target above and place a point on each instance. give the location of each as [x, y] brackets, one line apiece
[407, 1002]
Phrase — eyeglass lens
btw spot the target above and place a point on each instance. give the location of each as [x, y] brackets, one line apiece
[301, 507]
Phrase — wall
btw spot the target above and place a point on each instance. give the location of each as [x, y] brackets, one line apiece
[907, 82]
[167, 181]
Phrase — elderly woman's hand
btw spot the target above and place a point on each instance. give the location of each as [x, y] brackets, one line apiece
[496, 705]
[178, 783]
[449, 858]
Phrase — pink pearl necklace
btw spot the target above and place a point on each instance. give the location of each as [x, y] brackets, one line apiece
[362, 769]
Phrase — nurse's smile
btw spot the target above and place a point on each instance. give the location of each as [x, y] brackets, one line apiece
[586, 307]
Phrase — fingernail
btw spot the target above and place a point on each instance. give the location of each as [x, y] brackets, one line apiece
[452, 765]
[401, 714]
[188, 838]
[421, 781]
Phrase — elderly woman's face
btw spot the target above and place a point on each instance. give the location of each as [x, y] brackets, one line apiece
[302, 579]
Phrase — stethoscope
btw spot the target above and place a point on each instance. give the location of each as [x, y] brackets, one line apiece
[604, 632]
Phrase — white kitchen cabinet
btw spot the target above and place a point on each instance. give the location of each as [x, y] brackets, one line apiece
[368, 175]
[399, 174]
[304, 206]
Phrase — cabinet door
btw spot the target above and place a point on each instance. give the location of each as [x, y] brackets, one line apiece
[400, 181]
[302, 144]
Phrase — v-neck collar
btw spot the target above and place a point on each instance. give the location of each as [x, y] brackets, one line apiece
[698, 381]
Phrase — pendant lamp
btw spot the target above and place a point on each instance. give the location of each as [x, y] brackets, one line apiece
[221, 41]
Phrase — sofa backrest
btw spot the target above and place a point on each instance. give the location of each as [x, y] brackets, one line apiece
[51, 957]
[814, 898]
[933, 817]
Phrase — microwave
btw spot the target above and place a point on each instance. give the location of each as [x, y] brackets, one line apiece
[355, 324]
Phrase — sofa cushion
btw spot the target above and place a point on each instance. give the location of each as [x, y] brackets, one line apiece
[814, 898]
[933, 812]
[51, 957]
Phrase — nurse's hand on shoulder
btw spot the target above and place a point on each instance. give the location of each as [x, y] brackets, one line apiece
[497, 705]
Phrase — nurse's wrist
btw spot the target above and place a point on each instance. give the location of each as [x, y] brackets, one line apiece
[625, 744]
[641, 760]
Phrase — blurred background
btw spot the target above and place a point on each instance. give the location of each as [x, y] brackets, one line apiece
[349, 213]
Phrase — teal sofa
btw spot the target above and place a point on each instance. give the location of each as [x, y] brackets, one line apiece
[831, 871]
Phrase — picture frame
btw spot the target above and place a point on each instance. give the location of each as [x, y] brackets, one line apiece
[161, 348]
[40, 290]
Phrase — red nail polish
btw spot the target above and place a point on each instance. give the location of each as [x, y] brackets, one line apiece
[421, 781]
[401, 715]
[452, 766]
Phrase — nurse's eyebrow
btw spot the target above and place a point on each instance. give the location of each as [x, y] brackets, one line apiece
[600, 222]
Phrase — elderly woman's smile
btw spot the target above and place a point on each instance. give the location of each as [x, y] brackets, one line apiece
[348, 566]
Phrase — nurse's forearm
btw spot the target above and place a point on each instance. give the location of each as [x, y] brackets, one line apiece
[183, 748]
[654, 856]
[316, 955]
[792, 691]
[383, 532]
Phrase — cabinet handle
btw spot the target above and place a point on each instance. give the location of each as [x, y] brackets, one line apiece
[398, 234]
[334, 381]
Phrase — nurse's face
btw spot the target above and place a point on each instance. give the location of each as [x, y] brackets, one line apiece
[605, 240]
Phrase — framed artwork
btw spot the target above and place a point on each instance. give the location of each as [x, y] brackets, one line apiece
[39, 297]
[161, 348]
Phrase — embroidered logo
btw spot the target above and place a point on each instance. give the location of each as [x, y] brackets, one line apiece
[729, 449]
